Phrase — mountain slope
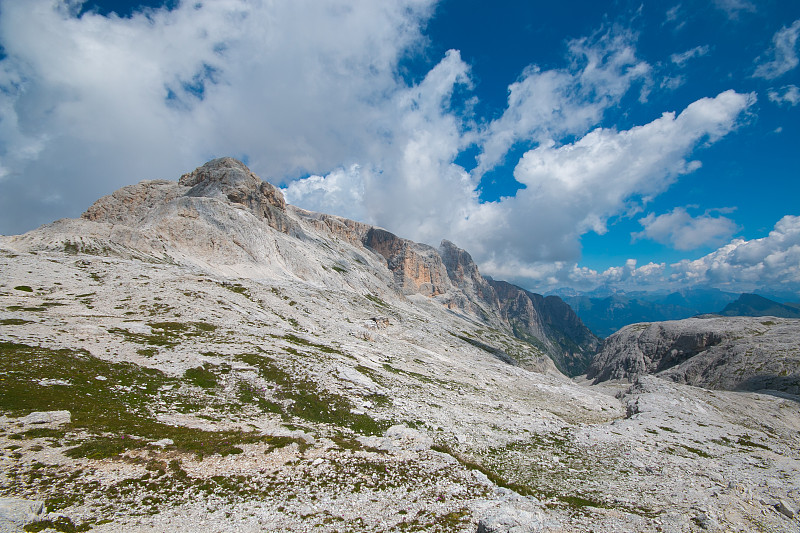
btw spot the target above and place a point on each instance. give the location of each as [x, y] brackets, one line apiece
[174, 362]
[606, 314]
[191, 222]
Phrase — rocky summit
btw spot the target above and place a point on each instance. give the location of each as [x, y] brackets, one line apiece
[200, 354]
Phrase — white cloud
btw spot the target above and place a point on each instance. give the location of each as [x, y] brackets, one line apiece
[573, 189]
[734, 7]
[411, 184]
[311, 87]
[682, 58]
[549, 104]
[682, 231]
[789, 95]
[783, 52]
[340, 192]
[93, 103]
[772, 261]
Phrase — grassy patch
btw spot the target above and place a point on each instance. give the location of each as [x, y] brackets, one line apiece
[116, 412]
[303, 398]
[745, 440]
[202, 377]
[298, 341]
[696, 451]
[374, 299]
[23, 288]
[166, 334]
[13, 322]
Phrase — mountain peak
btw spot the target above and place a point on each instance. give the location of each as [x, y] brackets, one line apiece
[229, 178]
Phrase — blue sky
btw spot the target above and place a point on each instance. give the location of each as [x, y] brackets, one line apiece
[568, 144]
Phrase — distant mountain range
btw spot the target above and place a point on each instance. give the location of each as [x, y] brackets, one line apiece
[755, 305]
[606, 313]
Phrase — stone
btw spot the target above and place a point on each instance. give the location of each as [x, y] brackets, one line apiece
[56, 418]
[729, 353]
[782, 508]
[511, 520]
[16, 513]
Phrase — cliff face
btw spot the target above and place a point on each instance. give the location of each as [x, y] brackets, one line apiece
[550, 321]
[417, 268]
[738, 353]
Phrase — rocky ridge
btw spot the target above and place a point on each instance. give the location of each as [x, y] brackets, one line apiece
[190, 222]
[226, 363]
[729, 353]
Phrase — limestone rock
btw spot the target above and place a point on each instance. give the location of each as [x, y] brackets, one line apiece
[417, 268]
[511, 520]
[732, 353]
[16, 513]
[55, 418]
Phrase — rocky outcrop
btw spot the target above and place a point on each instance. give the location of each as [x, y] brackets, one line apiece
[738, 353]
[417, 268]
[547, 323]
[224, 179]
[229, 179]
[16, 513]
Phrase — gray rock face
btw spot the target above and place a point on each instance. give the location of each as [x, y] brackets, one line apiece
[56, 418]
[16, 513]
[737, 353]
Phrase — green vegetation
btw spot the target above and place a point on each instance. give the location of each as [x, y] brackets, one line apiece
[202, 377]
[115, 412]
[745, 440]
[24, 288]
[13, 322]
[303, 398]
[167, 334]
[374, 299]
[62, 523]
[298, 341]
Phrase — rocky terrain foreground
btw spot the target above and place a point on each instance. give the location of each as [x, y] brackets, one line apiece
[198, 354]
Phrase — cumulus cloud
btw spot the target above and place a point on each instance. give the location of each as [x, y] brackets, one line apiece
[549, 104]
[310, 88]
[770, 261]
[682, 58]
[575, 188]
[788, 95]
[682, 231]
[783, 53]
[411, 184]
[93, 103]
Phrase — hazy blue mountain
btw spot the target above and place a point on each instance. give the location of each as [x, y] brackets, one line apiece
[755, 305]
[605, 314]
